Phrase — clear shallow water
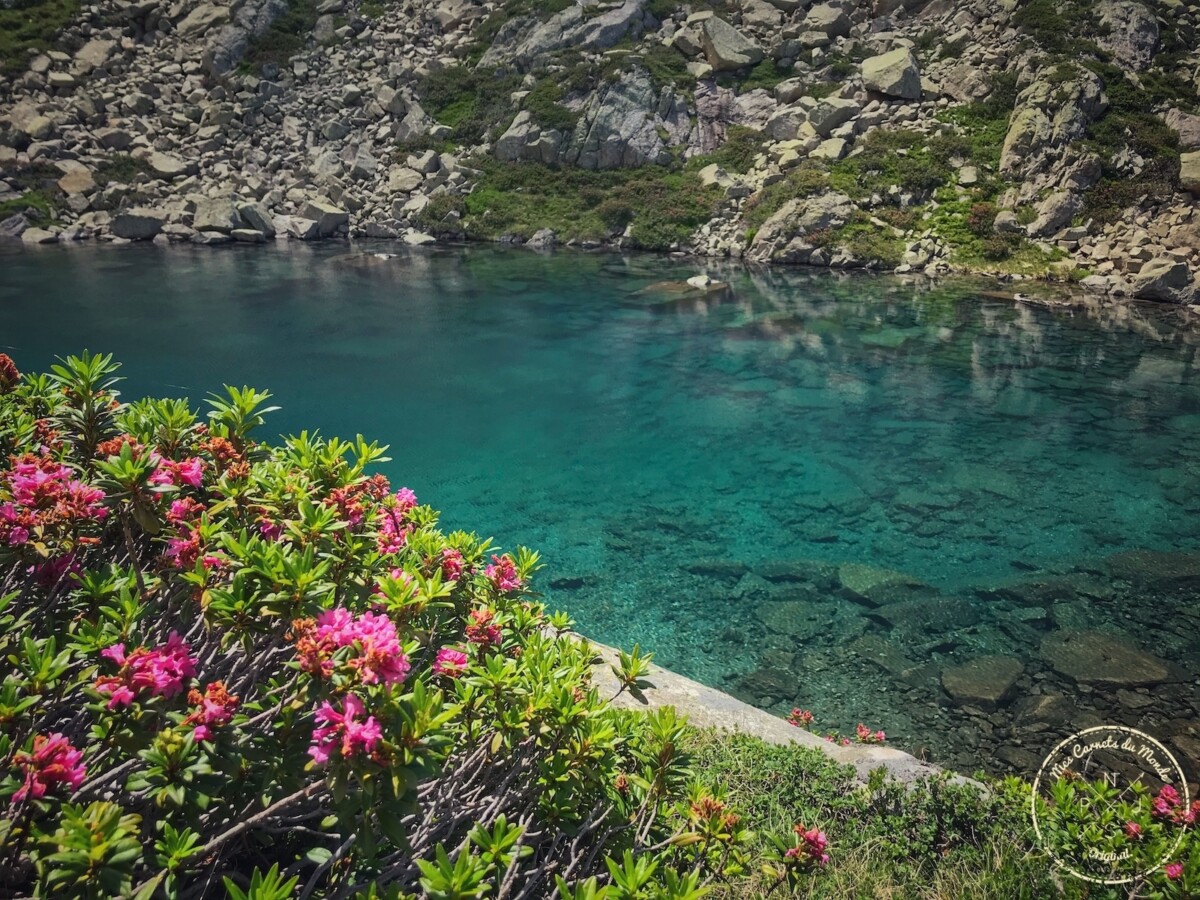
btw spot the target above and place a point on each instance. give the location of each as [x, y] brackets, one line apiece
[685, 470]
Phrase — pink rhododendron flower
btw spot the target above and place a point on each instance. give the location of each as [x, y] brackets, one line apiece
[380, 658]
[394, 527]
[1174, 871]
[53, 762]
[50, 572]
[160, 672]
[1133, 830]
[481, 629]
[215, 707]
[272, 531]
[1166, 802]
[9, 375]
[452, 564]
[801, 718]
[343, 732]
[185, 509]
[450, 662]
[812, 847]
[864, 735]
[503, 573]
[44, 494]
[185, 472]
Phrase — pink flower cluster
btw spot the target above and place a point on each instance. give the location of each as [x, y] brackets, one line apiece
[502, 573]
[394, 527]
[344, 733]
[160, 672]
[188, 472]
[452, 564]
[864, 735]
[379, 659]
[215, 707]
[45, 493]
[482, 629]
[53, 762]
[801, 718]
[450, 662]
[812, 846]
[1174, 871]
[1168, 805]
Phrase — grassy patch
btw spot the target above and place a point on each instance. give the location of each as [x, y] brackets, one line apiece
[372, 9]
[40, 192]
[737, 154]
[476, 104]
[31, 25]
[868, 242]
[286, 37]
[891, 157]
[936, 840]
[764, 75]
[543, 106]
[120, 168]
[663, 206]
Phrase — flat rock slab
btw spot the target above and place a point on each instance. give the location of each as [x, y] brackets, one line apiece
[869, 585]
[1147, 566]
[1098, 658]
[707, 707]
[986, 682]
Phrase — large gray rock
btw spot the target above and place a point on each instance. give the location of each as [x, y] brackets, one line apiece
[225, 49]
[828, 19]
[1055, 212]
[524, 40]
[137, 224]
[169, 166]
[92, 55]
[328, 217]
[403, 180]
[895, 74]
[1189, 172]
[201, 19]
[34, 236]
[258, 217]
[1129, 31]
[1186, 127]
[1163, 279]
[14, 226]
[1094, 657]
[782, 237]
[726, 48]
[831, 113]
[452, 13]
[218, 214]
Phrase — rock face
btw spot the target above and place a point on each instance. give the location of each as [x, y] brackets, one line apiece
[1099, 658]
[327, 216]
[1162, 279]
[895, 74]
[225, 49]
[1129, 31]
[524, 40]
[621, 125]
[986, 682]
[1049, 116]
[726, 48]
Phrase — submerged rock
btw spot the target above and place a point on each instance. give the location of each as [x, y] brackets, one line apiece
[869, 585]
[986, 682]
[671, 293]
[1100, 658]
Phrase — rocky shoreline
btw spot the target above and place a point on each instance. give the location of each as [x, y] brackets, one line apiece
[147, 124]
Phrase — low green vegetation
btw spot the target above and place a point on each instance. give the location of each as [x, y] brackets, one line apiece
[286, 37]
[120, 168]
[485, 32]
[663, 206]
[31, 25]
[809, 178]
[476, 104]
[40, 192]
[742, 145]
[892, 158]
[545, 109]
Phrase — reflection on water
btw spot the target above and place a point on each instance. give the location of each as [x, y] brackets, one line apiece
[888, 501]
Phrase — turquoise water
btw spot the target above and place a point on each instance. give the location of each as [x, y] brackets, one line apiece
[685, 469]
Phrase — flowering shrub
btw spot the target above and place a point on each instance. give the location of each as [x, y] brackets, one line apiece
[266, 667]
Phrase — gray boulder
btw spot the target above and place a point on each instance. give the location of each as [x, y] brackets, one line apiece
[201, 19]
[258, 217]
[828, 19]
[1189, 172]
[137, 224]
[726, 48]
[13, 226]
[1186, 126]
[1048, 116]
[1055, 212]
[1164, 279]
[166, 165]
[34, 236]
[832, 113]
[328, 217]
[218, 214]
[895, 74]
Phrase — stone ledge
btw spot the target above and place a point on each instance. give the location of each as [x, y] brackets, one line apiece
[707, 707]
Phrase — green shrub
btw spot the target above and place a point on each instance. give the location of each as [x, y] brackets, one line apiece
[475, 103]
[442, 215]
[805, 180]
[38, 183]
[890, 157]
[27, 26]
[542, 104]
[737, 154]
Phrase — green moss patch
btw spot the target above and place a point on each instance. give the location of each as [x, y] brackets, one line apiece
[31, 26]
